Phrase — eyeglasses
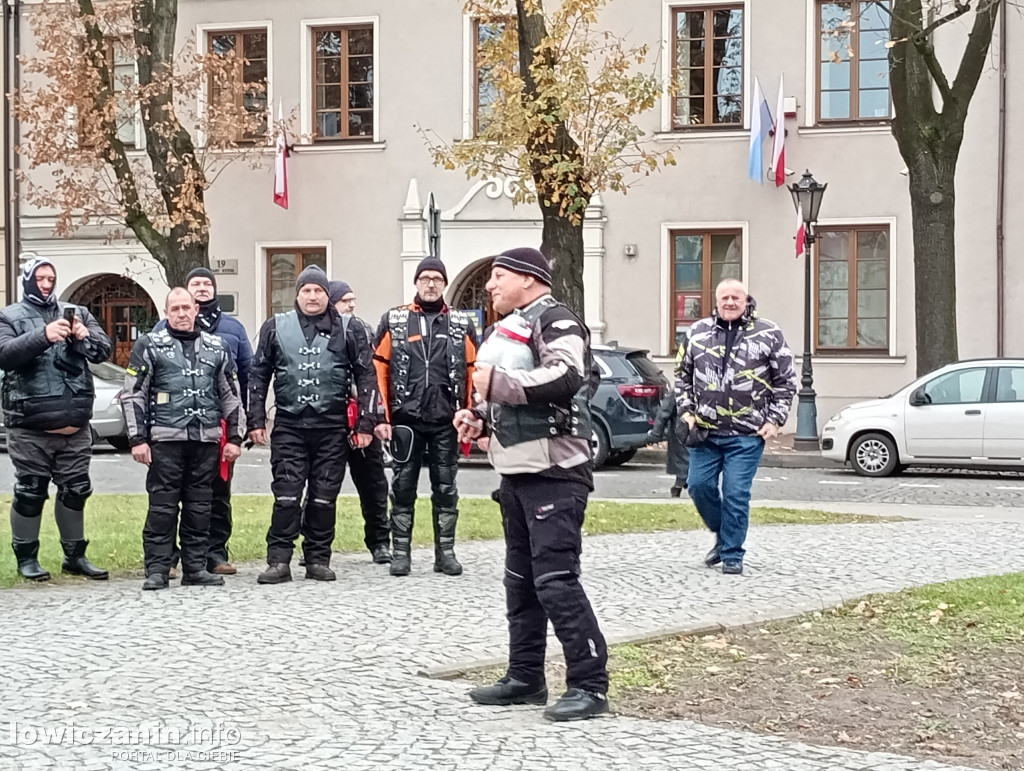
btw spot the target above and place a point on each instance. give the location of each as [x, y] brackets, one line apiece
[430, 281]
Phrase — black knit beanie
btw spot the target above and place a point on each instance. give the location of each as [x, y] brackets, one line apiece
[314, 274]
[201, 273]
[431, 263]
[526, 261]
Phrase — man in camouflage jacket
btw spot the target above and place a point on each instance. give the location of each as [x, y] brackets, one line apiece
[735, 387]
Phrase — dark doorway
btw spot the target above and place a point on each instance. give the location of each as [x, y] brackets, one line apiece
[123, 309]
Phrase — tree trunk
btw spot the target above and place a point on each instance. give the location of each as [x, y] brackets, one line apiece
[178, 262]
[562, 244]
[933, 208]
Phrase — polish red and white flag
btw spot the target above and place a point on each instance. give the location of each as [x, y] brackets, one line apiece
[779, 142]
[281, 164]
[801, 230]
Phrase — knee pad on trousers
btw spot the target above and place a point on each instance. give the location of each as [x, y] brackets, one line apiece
[197, 496]
[30, 493]
[75, 492]
[555, 566]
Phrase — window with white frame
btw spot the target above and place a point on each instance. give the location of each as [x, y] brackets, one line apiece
[343, 82]
[700, 260]
[243, 91]
[707, 65]
[852, 289]
[120, 62]
[853, 61]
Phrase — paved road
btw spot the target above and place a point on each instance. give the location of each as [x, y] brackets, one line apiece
[315, 676]
[115, 472]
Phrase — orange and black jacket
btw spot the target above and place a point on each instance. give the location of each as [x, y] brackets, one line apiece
[424, 365]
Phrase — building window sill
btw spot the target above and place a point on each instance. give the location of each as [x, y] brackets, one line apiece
[700, 134]
[846, 129]
[340, 147]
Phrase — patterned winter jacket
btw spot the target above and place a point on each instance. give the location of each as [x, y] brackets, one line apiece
[738, 395]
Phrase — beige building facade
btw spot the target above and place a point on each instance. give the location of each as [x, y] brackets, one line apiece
[365, 78]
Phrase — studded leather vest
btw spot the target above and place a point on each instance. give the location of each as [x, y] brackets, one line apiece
[459, 325]
[516, 423]
[307, 374]
[184, 391]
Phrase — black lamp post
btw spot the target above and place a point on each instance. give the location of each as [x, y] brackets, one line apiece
[433, 227]
[807, 195]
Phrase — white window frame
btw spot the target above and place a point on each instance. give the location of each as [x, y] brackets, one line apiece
[305, 82]
[140, 133]
[261, 249]
[667, 345]
[667, 55]
[810, 111]
[859, 222]
[203, 43]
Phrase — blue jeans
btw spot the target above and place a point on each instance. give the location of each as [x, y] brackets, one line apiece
[726, 512]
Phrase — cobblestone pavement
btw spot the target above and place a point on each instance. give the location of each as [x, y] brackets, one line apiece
[310, 675]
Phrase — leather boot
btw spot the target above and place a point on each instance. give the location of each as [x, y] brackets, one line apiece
[154, 582]
[27, 555]
[444, 543]
[401, 562]
[202, 578]
[445, 562]
[276, 573]
[77, 564]
[320, 573]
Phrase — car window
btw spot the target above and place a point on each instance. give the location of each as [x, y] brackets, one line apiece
[603, 366]
[647, 368]
[106, 370]
[964, 386]
[1010, 384]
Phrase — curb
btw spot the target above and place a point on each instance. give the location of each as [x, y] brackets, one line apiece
[785, 459]
[728, 623]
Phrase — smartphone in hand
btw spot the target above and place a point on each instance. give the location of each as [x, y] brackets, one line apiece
[69, 315]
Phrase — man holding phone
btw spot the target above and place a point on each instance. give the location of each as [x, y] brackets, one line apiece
[45, 349]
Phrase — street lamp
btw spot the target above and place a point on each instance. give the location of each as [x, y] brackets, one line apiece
[807, 195]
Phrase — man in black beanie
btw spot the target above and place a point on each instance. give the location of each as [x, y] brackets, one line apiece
[367, 465]
[424, 354]
[540, 428]
[47, 400]
[201, 283]
[313, 358]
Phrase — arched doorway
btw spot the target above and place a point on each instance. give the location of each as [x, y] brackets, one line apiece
[122, 308]
[469, 294]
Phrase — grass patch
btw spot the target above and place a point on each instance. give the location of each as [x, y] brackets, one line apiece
[113, 525]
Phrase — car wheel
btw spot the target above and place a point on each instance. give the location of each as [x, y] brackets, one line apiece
[601, 446]
[618, 458]
[119, 443]
[874, 455]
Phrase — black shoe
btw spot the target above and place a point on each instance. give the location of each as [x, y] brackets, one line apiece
[714, 556]
[381, 554]
[577, 704]
[732, 567]
[400, 565]
[320, 573]
[76, 563]
[276, 573]
[155, 581]
[675, 491]
[202, 578]
[445, 562]
[27, 555]
[509, 691]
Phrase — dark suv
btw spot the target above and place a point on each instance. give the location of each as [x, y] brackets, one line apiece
[626, 402]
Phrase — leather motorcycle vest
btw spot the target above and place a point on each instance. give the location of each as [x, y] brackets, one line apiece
[50, 373]
[459, 325]
[183, 391]
[307, 374]
[516, 423]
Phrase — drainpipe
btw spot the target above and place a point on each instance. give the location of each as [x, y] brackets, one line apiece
[12, 207]
[1001, 190]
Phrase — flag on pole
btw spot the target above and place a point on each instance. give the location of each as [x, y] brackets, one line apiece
[801, 230]
[281, 162]
[779, 144]
[760, 125]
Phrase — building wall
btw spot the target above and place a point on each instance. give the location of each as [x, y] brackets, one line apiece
[363, 203]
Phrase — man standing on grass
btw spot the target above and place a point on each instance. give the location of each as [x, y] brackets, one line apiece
[735, 387]
[45, 350]
[367, 465]
[180, 385]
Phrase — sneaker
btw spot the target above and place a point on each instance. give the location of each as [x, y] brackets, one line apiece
[577, 704]
[510, 691]
[732, 567]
